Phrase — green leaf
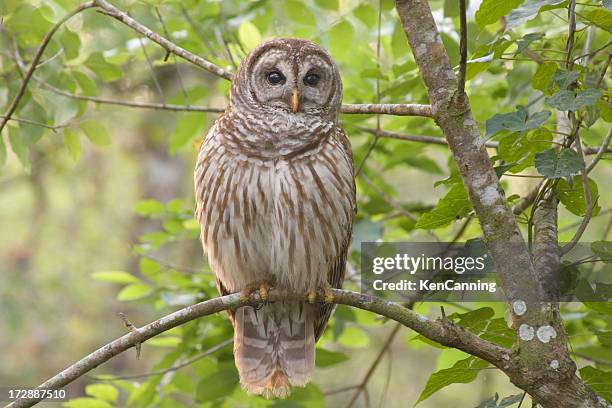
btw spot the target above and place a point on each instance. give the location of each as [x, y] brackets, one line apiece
[189, 126]
[88, 86]
[518, 121]
[71, 43]
[572, 195]
[133, 292]
[603, 249]
[464, 371]
[598, 380]
[105, 392]
[106, 71]
[564, 79]
[569, 101]
[249, 35]
[551, 164]
[543, 76]
[474, 320]
[506, 402]
[520, 148]
[300, 13]
[451, 8]
[327, 4]
[453, 206]
[353, 337]
[527, 39]
[85, 402]
[217, 385]
[326, 358]
[164, 341]
[148, 267]
[491, 11]
[527, 11]
[341, 38]
[601, 17]
[114, 276]
[2, 152]
[19, 147]
[96, 133]
[367, 14]
[148, 208]
[73, 143]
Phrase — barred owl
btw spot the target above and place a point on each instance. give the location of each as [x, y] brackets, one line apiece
[275, 199]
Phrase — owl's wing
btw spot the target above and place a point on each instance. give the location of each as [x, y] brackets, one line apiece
[335, 276]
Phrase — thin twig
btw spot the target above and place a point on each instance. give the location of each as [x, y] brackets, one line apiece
[54, 128]
[462, 48]
[151, 68]
[361, 387]
[569, 47]
[602, 149]
[387, 199]
[36, 59]
[176, 367]
[588, 205]
[144, 105]
[417, 138]
[176, 67]
[121, 16]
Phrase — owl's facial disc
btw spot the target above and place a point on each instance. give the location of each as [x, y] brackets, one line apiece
[297, 81]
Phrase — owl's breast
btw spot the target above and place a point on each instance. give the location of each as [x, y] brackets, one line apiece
[288, 217]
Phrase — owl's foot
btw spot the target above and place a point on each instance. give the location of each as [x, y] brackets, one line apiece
[262, 286]
[325, 288]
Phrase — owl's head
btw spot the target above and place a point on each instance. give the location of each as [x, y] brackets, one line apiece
[291, 75]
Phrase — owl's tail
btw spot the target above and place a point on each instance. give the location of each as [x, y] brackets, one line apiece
[274, 347]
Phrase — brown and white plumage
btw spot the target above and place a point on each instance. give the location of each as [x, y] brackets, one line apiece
[275, 197]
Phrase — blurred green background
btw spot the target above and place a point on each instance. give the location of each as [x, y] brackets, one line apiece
[96, 205]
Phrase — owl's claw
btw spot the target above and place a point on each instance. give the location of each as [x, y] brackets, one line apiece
[325, 288]
[263, 287]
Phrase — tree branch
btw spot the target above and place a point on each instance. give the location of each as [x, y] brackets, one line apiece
[549, 387]
[442, 331]
[397, 109]
[454, 117]
[462, 47]
[600, 151]
[588, 202]
[169, 46]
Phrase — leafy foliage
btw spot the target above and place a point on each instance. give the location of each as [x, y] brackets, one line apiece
[516, 61]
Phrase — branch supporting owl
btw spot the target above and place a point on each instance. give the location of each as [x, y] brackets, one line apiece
[442, 331]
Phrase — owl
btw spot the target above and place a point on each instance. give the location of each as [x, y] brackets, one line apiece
[275, 199]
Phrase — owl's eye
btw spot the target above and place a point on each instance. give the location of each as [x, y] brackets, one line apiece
[276, 78]
[311, 79]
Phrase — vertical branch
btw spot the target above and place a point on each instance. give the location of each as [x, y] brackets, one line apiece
[588, 204]
[569, 47]
[377, 134]
[462, 47]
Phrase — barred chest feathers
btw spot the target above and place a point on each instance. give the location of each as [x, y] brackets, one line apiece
[286, 217]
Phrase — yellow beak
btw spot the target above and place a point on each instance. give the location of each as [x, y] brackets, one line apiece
[295, 100]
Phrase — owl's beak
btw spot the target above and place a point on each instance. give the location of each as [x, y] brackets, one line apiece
[295, 100]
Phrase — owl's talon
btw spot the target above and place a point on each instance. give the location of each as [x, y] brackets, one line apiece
[263, 287]
[328, 296]
[312, 296]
